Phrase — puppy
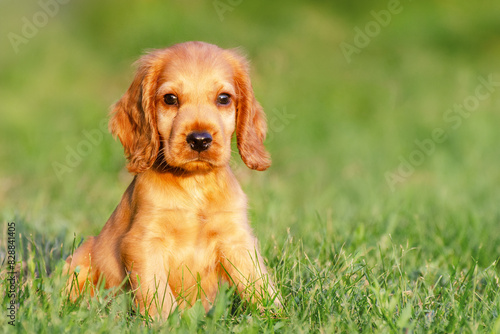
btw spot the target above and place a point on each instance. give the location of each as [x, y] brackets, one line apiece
[181, 227]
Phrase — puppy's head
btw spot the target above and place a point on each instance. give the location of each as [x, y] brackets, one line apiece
[183, 106]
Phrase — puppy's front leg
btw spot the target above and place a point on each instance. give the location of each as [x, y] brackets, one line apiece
[244, 267]
[150, 285]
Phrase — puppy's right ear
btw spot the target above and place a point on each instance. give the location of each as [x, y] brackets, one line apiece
[133, 117]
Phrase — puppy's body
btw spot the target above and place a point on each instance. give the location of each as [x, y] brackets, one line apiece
[181, 227]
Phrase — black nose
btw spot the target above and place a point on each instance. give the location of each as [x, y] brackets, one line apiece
[199, 141]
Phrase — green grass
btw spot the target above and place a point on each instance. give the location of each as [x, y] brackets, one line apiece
[348, 253]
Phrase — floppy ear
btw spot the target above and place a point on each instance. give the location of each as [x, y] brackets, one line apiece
[133, 117]
[251, 124]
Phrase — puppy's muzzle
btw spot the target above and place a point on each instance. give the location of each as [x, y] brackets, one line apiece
[199, 141]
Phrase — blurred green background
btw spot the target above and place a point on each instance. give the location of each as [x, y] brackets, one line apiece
[339, 124]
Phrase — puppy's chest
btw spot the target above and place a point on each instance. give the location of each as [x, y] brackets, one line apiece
[194, 238]
[190, 228]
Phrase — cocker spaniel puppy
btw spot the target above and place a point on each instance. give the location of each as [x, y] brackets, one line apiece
[181, 227]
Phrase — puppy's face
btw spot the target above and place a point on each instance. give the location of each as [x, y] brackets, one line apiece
[196, 109]
[183, 106]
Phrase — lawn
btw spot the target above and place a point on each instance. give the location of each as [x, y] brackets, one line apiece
[380, 212]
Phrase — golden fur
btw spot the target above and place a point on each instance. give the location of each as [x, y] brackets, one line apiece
[181, 227]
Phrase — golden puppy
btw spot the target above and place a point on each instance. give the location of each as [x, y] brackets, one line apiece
[181, 227]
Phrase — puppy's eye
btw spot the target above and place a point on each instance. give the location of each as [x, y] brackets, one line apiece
[223, 99]
[170, 99]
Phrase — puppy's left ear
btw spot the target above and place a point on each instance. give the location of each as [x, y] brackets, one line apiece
[251, 126]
